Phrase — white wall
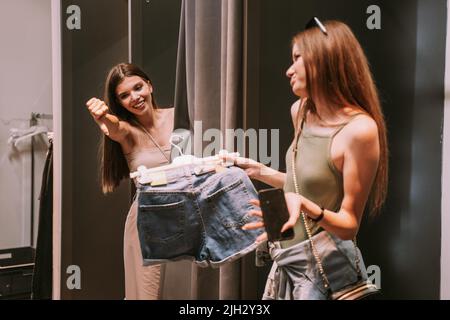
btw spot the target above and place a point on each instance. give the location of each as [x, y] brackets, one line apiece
[25, 87]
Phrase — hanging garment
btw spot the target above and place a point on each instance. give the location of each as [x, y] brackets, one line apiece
[295, 276]
[187, 213]
[42, 275]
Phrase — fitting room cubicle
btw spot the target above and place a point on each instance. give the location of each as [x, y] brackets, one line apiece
[85, 38]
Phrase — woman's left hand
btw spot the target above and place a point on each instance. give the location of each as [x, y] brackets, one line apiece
[293, 202]
[257, 224]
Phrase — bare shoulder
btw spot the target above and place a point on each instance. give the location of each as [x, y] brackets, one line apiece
[166, 113]
[168, 110]
[163, 115]
[294, 109]
[363, 130]
[171, 112]
[165, 120]
[169, 116]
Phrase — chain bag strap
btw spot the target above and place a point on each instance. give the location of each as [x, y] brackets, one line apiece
[304, 217]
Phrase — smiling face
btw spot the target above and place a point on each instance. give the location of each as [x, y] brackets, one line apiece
[135, 95]
[297, 73]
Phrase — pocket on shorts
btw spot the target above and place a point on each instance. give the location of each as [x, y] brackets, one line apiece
[231, 204]
[163, 220]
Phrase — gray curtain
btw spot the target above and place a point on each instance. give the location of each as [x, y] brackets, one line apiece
[209, 88]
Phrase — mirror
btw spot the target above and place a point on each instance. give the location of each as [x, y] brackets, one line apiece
[92, 224]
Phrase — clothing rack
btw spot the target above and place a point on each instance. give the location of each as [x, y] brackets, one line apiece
[36, 116]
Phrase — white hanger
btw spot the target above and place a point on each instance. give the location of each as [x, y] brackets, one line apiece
[50, 136]
[145, 175]
[15, 133]
[18, 135]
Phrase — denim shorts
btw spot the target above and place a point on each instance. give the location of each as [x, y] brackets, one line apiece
[196, 214]
[295, 275]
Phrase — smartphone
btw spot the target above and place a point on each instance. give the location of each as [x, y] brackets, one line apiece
[275, 214]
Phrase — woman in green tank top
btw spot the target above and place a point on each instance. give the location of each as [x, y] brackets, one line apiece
[341, 160]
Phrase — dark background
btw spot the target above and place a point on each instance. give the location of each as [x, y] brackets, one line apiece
[92, 224]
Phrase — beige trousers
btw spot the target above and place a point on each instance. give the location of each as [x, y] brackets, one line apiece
[141, 283]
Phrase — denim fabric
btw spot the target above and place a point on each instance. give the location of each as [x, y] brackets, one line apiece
[197, 216]
[295, 275]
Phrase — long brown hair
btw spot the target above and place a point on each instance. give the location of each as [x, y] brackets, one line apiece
[337, 72]
[114, 166]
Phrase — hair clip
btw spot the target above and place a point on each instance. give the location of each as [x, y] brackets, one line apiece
[315, 22]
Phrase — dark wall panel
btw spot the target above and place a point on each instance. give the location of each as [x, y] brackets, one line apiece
[156, 26]
[92, 224]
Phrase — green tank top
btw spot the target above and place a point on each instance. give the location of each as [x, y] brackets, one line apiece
[317, 177]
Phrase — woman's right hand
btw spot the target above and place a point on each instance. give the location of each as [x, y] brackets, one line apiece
[251, 167]
[256, 224]
[257, 171]
[98, 109]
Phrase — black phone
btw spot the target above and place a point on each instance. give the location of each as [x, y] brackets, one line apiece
[275, 214]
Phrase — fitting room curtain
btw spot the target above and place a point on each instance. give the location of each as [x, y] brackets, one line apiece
[209, 88]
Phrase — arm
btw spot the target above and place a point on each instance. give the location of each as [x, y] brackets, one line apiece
[360, 165]
[110, 125]
[267, 175]
[260, 172]
[361, 159]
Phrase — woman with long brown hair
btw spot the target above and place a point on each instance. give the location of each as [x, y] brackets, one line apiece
[337, 165]
[136, 132]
